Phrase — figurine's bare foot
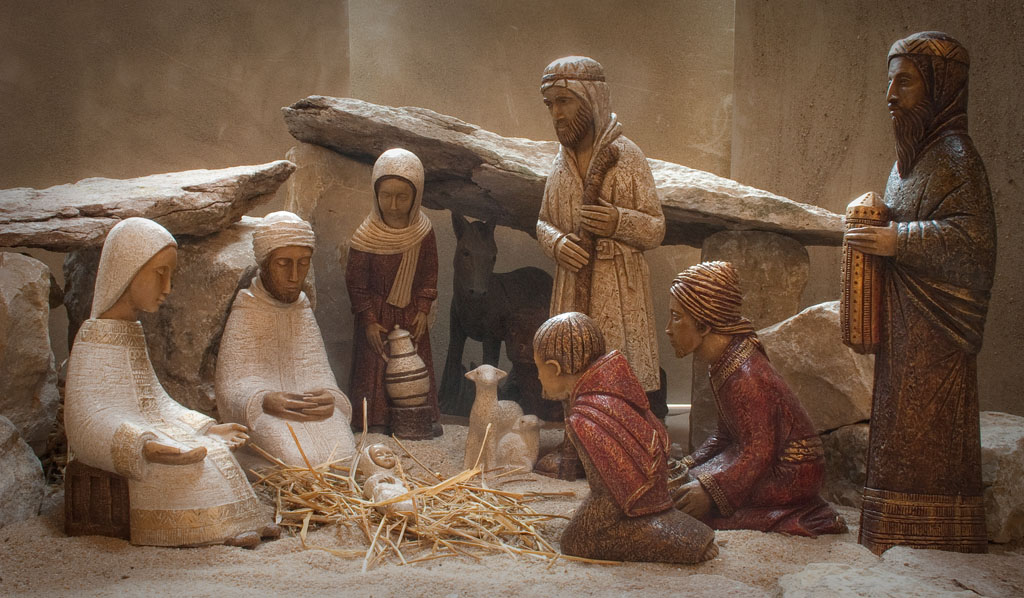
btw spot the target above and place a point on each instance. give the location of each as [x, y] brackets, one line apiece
[437, 429]
[710, 552]
[562, 463]
[248, 540]
[271, 532]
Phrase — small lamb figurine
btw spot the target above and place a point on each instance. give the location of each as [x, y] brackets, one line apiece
[519, 446]
[378, 463]
[513, 438]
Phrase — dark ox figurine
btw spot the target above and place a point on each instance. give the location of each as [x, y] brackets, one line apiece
[494, 308]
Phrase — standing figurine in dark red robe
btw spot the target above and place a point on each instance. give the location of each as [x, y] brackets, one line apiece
[392, 280]
[763, 466]
[628, 515]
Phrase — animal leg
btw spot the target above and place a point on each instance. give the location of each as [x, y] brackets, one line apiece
[450, 393]
[492, 351]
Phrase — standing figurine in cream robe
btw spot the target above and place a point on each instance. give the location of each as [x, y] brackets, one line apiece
[272, 369]
[185, 487]
[599, 214]
[391, 275]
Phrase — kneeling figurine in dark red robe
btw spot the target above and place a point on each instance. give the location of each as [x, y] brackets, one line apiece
[628, 515]
[763, 466]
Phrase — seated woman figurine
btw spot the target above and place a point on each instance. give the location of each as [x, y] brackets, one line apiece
[628, 515]
[185, 487]
[763, 466]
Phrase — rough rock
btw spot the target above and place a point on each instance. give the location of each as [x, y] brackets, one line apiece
[846, 458]
[1002, 472]
[21, 476]
[773, 273]
[481, 174]
[332, 192]
[184, 335]
[195, 202]
[839, 580]
[832, 381]
[28, 381]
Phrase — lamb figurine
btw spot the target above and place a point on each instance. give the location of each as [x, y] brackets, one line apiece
[514, 438]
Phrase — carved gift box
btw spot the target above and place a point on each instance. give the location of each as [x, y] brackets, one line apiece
[860, 304]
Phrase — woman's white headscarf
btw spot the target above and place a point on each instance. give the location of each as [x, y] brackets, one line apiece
[128, 246]
[374, 236]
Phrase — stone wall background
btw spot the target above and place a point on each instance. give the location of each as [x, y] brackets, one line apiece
[114, 89]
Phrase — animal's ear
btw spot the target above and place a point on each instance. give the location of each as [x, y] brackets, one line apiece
[459, 223]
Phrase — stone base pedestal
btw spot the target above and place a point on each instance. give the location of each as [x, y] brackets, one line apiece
[412, 423]
[96, 502]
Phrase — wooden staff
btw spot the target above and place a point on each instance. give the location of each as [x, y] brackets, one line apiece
[605, 159]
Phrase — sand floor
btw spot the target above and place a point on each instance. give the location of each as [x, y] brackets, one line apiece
[36, 559]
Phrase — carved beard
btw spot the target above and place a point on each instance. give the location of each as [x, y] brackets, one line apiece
[577, 129]
[910, 127]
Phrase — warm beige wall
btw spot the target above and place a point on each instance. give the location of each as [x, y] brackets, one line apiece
[810, 123]
[124, 89]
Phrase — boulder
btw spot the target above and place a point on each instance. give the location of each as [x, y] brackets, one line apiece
[846, 459]
[21, 476]
[839, 580]
[184, 335]
[833, 383]
[1002, 472]
[332, 192]
[78, 215]
[773, 272]
[481, 174]
[28, 380]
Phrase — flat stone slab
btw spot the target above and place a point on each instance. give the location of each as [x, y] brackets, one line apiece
[484, 175]
[193, 202]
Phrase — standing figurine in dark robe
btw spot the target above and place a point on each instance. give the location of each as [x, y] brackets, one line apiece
[763, 466]
[923, 485]
[392, 281]
[628, 515]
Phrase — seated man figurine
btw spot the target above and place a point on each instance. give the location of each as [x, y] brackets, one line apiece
[628, 515]
[185, 487]
[272, 369]
[763, 466]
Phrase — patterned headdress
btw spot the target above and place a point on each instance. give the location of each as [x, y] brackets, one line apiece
[943, 63]
[585, 77]
[572, 339]
[280, 229]
[710, 292]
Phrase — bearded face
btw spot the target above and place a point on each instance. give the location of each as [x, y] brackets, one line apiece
[911, 110]
[571, 116]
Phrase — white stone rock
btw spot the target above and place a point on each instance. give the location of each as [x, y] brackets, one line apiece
[1002, 472]
[833, 383]
[839, 580]
[78, 215]
[21, 476]
[28, 381]
[481, 174]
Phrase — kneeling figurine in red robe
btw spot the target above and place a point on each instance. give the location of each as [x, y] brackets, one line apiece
[763, 466]
[628, 515]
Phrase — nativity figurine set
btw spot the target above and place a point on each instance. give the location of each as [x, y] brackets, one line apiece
[918, 268]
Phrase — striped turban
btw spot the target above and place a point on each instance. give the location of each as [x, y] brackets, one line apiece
[280, 229]
[710, 292]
